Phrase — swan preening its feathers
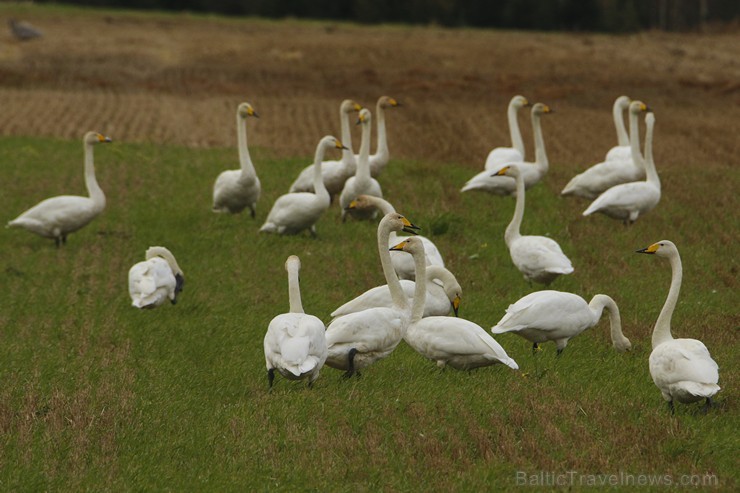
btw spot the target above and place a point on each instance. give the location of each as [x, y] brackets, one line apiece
[682, 369]
[56, 217]
[361, 182]
[558, 316]
[515, 154]
[156, 279]
[235, 190]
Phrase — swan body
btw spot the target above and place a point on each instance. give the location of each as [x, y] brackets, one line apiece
[56, 217]
[379, 160]
[490, 181]
[361, 182]
[294, 212]
[514, 154]
[448, 341]
[539, 258]
[403, 264]
[629, 201]
[359, 339]
[155, 280]
[616, 169]
[235, 190]
[558, 316]
[333, 173]
[295, 343]
[682, 369]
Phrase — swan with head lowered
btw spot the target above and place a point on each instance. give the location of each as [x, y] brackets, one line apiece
[629, 201]
[539, 258]
[614, 171]
[379, 160]
[235, 190]
[359, 339]
[294, 212]
[155, 280]
[361, 182]
[333, 173]
[403, 264]
[515, 154]
[56, 217]
[295, 343]
[492, 182]
[558, 316]
[682, 369]
[448, 341]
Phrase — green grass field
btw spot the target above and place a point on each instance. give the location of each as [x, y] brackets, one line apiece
[96, 395]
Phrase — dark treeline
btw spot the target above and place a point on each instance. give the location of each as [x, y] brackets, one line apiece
[578, 15]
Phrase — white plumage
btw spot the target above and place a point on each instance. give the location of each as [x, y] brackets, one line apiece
[379, 160]
[622, 151]
[361, 183]
[155, 280]
[503, 155]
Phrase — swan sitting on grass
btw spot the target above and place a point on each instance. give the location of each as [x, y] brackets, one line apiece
[156, 279]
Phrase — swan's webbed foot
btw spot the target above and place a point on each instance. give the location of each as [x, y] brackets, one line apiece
[270, 377]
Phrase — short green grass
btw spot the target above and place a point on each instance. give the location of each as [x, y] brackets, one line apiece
[96, 395]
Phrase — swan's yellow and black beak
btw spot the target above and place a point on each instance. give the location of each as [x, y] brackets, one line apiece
[357, 106]
[399, 247]
[394, 102]
[251, 112]
[456, 305]
[338, 144]
[104, 139]
[410, 228]
[651, 249]
[351, 205]
[502, 171]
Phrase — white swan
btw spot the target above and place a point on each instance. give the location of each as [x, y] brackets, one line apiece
[604, 175]
[491, 182]
[359, 339]
[237, 189]
[451, 341]
[56, 217]
[558, 316]
[403, 264]
[334, 173]
[682, 369]
[515, 154]
[156, 279]
[629, 201]
[379, 160]
[443, 294]
[293, 212]
[539, 258]
[622, 150]
[361, 182]
[295, 343]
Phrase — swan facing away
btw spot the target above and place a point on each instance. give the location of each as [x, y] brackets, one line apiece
[558, 316]
[294, 212]
[295, 343]
[359, 339]
[156, 279]
[448, 341]
[515, 154]
[682, 369]
[361, 182]
[403, 264]
[235, 190]
[539, 258]
[56, 217]
[490, 181]
[629, 201]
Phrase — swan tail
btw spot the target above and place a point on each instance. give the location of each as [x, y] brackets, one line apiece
[701, 390]
[509, 362]
[571, 187]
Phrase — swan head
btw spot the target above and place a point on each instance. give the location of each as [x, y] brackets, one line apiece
[329, 142]
[663, 248]
[638, 107]
[362, 202]
[540, 109]
[293, 262]
[245, 109]
[348, 106]
[398, 222]
[92, 138]
[622, 102]
[365, 117]
[508, 170]
[519, 102]
[388, 102]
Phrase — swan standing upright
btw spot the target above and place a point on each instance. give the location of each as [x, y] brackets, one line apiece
[539, 258]
[359, 339]
[361, 183]
[295, 343]
[492, 182]
[237, 189]
[156, 279]
[515, 154]
[56, 217]
[293, 212]
[558, 316]
[334, 173]
[448, 341]
[682, 369]
[629, 201]
[379, 160]
[622, 150]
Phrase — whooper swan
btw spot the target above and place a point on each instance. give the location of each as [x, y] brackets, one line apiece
[379, 160]
[237, 189]
[156, 279]
[293, 212]
[295, 343]
[622, 150]
[361, 182]
[515, 154]
[558, 316]
[682, 369]
[56, 217]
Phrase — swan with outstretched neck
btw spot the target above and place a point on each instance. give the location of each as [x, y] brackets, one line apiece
[682, 369]
[56, 217]
[361, 183]
[379, 160]
[155, 280]
[622, 150]
[516, 153]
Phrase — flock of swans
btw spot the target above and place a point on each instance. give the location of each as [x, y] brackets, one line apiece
[420, 292]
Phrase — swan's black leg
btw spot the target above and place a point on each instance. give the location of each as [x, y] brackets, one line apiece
[252, 212]
[535, 347]
[351, 363]
[671, 407]
[707, 406]
[64, 239]
[58, 241]
[560, 351]
[270, 377]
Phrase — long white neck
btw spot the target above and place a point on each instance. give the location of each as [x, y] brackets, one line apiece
[158, 251]
[662, 330]
[362, 175]
[381, 149]
[294, 289]
[93, 189]
[420, 286]
[440, 273]
[539, 144]
[635, 140]
[318, 180]
[348, 156]
[597, 305]
[516, 135]
[512, 230]
[248, 174]
[383, 205]
[618, 113]
[652, 173]
[391, 278]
